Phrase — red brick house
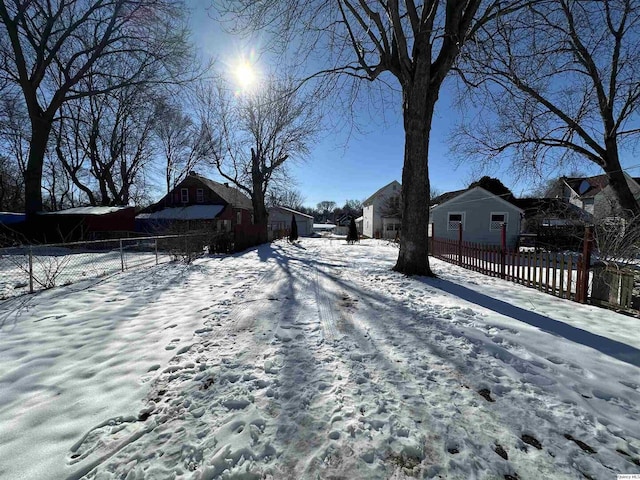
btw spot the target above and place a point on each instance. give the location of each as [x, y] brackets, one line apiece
[198, 203]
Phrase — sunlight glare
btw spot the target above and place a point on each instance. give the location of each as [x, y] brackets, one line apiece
[245, 75]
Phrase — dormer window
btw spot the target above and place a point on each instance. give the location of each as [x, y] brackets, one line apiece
[184, 195]
[584, 186]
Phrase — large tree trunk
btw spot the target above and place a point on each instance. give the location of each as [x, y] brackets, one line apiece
[40, 130]
[418, 108]
[260, 215]
[618, 182]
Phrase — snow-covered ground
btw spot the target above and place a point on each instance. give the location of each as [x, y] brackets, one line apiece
[314, 360]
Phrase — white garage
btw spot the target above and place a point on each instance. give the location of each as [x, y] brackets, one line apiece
[280, 219]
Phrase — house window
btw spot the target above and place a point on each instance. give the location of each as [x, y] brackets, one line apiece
[587, 205]
[455, 220]
[184, 195]
[238, 218]
[199, 195]
[497, 219]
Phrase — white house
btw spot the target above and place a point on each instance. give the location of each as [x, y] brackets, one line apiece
[380, 217]
[280, 219]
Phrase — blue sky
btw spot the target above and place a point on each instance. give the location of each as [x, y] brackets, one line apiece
[342, 167]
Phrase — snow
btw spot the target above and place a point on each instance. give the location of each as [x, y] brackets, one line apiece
[314, 360]
[323, 226]
[192, 212]
[88, 211]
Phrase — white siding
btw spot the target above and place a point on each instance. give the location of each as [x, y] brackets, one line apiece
[367, 221]
[281, 219]
[372, 225]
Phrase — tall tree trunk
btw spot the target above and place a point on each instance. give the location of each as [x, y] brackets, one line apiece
[418, 108]
[618, 181]
[260, 215]
[40, 130]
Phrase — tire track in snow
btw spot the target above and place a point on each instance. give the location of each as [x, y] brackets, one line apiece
[325, 309]
[381, 360]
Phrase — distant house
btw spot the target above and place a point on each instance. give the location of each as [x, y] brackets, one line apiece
[85, 223]
[324, 228]
[540, 213]
[553, 223]
[342, 224]
[280, 219]
[381, 212]
[198, 203]
[594, 195]
[481, 214]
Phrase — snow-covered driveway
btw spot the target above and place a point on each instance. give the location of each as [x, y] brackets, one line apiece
[315, 361]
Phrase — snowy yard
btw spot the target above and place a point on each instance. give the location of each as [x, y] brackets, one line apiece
[314, 361]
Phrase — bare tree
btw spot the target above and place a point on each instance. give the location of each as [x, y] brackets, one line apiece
[14, 131]
[415, 43]
[182, 141]
[286, 197]
[325, 209]
[257, 132]
[49, 48]
[11, 189]
[562, 79]
[352, 208]
[105, 141]
[392, 206]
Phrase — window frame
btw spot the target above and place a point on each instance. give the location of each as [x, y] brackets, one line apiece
[505, 220]
[462, 221]
[199, 195]
[184, 195]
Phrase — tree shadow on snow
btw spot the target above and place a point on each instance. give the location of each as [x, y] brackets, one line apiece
[612, 348]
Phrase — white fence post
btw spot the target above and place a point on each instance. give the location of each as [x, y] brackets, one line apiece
[121, 256]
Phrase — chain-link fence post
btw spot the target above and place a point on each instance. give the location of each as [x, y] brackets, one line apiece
[156, 246]
[30, 269]
[121, 256]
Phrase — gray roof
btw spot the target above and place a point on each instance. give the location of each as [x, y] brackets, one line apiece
[192, 212]
[380, 190]
[229, 194]
[461, 193]
[290, 210]
[445, 197]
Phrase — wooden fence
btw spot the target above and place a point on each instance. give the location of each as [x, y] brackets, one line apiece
[559, 274]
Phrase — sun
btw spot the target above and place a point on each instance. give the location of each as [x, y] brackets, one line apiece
[245, 75]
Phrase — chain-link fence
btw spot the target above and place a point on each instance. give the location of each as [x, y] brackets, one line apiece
[29, 268]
